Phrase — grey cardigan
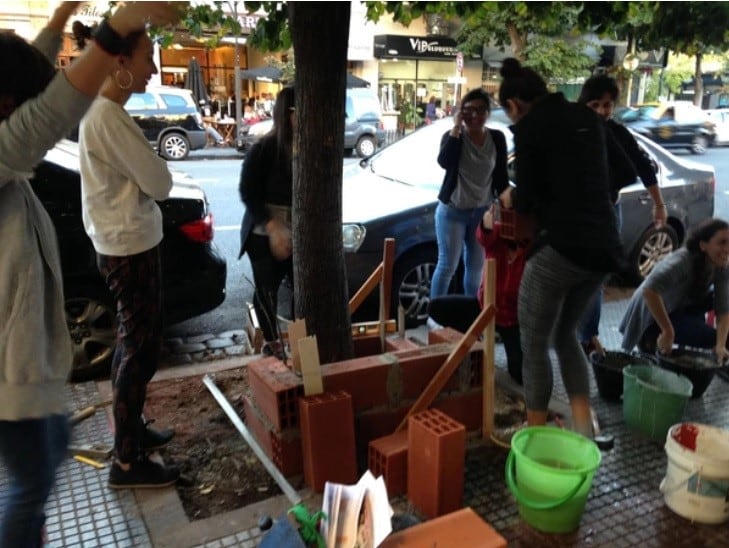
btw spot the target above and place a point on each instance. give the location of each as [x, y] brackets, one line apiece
[672, 278]
[35, 349]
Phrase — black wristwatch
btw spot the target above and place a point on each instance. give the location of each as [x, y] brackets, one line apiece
[108, 39]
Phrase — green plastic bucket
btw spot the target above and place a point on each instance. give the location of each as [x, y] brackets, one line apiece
[654, 399]
[549, 471]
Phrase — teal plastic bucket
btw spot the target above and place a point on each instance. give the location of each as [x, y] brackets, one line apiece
[549, 471]
[654, 399]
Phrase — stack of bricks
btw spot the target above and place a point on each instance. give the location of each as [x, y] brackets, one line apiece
[382, 388]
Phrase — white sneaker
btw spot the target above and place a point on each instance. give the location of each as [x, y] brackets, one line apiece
[432, 324]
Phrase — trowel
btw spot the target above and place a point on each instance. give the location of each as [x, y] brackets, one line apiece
[605, 442]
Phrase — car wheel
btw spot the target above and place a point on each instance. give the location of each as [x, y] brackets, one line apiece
[411, 279]
[91, 321]
[366, 146]
[174, 146]
[653, 246]
[700, 144]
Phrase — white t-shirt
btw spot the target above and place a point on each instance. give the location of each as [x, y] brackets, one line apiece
[121, 177]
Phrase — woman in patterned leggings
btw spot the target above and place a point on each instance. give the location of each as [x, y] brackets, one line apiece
[562, 177]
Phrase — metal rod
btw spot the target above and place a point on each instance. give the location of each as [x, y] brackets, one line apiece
[285, 486]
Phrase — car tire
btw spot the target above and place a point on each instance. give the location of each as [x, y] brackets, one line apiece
[411, 277]
[174, 146]
[653, 246]
[366, 146]
[700, 144]
[91, 321]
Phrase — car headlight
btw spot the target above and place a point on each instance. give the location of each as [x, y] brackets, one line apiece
[352, 237]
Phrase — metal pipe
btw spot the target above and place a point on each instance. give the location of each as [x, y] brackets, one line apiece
[285, 486]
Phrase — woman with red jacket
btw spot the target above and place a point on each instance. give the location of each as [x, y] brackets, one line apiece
[459, 311]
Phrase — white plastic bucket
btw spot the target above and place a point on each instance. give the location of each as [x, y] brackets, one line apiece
[696, 485]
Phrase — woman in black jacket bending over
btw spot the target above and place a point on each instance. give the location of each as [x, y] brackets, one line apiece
[562, 178]
[266, 182]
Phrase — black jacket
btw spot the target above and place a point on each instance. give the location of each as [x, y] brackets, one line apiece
[450, 155]
[640, 160]
[567, 167]
[265, 178]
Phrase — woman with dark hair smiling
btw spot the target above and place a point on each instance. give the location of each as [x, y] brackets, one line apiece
[563, 180]
[474, 158]
[670, 305]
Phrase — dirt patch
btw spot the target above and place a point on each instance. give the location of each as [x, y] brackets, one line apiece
[220, 472]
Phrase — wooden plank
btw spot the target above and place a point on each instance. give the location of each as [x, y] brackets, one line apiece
[367, 287]
[456, 356]
[488, 370]
[296, 331]
[255, 334]
[310, 366]
[388, 258]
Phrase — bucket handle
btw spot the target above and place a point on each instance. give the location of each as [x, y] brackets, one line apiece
[531, 503]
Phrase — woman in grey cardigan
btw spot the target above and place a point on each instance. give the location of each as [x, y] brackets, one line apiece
[38, 106]
[670, 305]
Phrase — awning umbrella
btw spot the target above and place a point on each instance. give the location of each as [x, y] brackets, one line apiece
[356, 82]
[263, 74]
[194, 82]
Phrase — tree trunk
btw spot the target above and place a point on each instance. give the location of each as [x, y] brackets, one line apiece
[320, 32]
[698, 81]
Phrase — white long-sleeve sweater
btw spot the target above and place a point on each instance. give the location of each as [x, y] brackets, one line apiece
[121, 177]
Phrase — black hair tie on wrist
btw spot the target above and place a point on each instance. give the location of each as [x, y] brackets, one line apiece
[108, 39]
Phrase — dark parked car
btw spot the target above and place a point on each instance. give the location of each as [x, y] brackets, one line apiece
[169, 119]
[679, 124]
[393, 194]
[193, 270]
[363, 128]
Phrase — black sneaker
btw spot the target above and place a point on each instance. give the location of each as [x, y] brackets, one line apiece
[153, 439]
[144, 473]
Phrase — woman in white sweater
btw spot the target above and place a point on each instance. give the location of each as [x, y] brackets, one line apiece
[38, 106]
[121, 179]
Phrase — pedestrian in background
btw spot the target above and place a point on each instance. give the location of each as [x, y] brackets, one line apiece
[38, 106]
[474, 158]
[122, 177]
[266, 184]
[563, 181]
[600, 93]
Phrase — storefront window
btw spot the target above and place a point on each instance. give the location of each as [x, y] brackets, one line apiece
[415, 82]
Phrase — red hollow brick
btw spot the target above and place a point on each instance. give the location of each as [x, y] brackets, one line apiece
[365, 379]
[276, 389]
[460, 529]
[398, 343]
[436, 451]
[388, 457]
[327, 435]
[284, 448]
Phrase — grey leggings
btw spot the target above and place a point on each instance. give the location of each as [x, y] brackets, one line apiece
[553, 295]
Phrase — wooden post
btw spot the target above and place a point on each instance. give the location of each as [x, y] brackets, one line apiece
[388, 255]
[488, 373]
[310, 366]
[441, 376]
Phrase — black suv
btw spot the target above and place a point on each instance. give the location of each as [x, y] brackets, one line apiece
[193, 270]
[169, 119]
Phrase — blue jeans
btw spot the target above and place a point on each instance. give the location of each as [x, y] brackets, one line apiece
[32, 450]
[455, 230]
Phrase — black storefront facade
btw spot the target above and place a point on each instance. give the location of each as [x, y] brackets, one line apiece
[411, 69]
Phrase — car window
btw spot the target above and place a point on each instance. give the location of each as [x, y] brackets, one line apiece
[174, 100]
[141, 101]
[365, 106]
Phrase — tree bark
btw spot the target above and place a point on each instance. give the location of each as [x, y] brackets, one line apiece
[320, 32]
[698, 81]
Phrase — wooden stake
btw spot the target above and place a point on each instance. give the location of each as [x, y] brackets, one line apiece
[456, 356]
[488, 371]
[310, 366]
[296, 331]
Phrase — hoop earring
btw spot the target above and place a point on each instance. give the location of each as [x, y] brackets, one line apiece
[128, 84]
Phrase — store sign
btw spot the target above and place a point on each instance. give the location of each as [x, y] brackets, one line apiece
[390, 46]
